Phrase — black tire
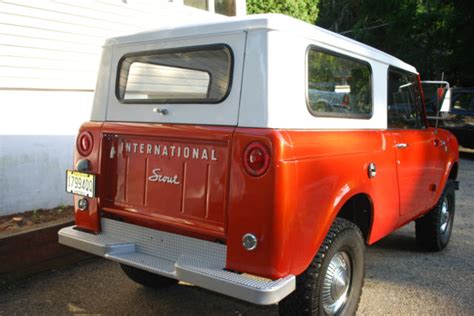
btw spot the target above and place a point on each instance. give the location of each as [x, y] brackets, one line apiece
[343, 239]
[146, 278]
[433, 230]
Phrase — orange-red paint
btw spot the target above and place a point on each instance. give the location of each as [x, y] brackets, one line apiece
[89, 219]
[290, 208]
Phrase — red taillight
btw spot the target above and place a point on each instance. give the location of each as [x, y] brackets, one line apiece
[256, 159]
[85, 143]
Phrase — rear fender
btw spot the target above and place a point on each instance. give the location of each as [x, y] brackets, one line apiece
[345, 192]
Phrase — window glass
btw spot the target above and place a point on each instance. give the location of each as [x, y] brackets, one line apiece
[463, 100]
[225, 7]
[405, 108]
[198, 75]
[200, 4]
[338, 86]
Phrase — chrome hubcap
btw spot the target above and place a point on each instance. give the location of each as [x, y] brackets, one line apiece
[444, 216]
[336, 283]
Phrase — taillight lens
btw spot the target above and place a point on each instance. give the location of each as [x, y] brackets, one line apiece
[256, 159]
[85, 143]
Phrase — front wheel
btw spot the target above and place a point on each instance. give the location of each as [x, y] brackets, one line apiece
[433, 230]
[332, 284]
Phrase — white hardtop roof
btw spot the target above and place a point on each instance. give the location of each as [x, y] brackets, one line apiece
[273, 22]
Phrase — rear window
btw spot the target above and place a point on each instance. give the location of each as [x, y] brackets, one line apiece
[338, 86]
[190, 75]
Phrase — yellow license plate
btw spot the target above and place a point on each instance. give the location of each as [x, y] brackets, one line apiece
[80, 183]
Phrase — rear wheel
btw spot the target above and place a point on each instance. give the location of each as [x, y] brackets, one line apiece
[146, 278]
[332, 284]
[433, 230]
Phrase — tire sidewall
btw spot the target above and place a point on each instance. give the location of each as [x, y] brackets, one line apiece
[352, 243]
[450, 195]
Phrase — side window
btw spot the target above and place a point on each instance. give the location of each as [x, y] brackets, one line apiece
[405, 108]
[338, 86]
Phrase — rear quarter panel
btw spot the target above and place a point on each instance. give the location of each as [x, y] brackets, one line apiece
[332, 168]
[292, 207]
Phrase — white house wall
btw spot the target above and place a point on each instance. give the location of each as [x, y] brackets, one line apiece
[49, 56]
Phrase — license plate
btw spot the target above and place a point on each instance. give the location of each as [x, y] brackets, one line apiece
[80, 183]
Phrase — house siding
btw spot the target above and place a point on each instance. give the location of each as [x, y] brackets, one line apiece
[49, 57]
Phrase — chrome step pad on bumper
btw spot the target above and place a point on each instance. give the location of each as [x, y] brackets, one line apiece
[183, 258]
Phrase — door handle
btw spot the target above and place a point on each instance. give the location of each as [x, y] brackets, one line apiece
[402, 145]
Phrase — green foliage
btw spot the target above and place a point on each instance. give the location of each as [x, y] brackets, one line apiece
[433, 35]
[306, 10]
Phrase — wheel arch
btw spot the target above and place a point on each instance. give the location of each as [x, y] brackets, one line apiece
[355, 206]
[453, 172]
[450, 173]
[358, 209]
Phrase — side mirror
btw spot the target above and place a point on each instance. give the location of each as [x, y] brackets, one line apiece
[439, 96]
[440, 99]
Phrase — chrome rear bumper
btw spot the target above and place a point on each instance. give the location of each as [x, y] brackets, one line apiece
[183, 258]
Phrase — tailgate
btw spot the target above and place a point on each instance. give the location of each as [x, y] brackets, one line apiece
[175, 176]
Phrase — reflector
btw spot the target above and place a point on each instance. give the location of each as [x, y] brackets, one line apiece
[256, 159]
[84, 143]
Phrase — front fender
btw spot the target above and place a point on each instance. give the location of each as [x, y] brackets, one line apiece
[452, 149]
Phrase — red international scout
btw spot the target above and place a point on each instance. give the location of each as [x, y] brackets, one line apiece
[257, 157]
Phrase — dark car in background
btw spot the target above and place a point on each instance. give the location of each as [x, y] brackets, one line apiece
[456, 109]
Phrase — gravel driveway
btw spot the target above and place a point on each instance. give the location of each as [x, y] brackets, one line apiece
[400, 280]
